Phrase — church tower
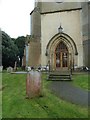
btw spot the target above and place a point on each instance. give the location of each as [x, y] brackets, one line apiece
[56, 30]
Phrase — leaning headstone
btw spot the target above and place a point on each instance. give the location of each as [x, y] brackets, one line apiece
[1, 68]
[33, 84]
[9, 69]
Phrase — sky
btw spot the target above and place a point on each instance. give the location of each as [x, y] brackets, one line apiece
[15, 17]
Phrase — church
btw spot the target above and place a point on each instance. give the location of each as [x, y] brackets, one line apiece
[60, 35]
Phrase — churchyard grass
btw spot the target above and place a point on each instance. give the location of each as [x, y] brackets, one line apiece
[81, 80]
[15, 105]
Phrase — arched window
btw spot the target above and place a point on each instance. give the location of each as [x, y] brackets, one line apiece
[61, 47]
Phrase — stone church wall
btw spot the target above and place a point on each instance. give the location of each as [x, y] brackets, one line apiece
[54, 6]
[71, 23]
[35, 45]
[86, 32]
[89, 34]
[34, 53]
[36, 23]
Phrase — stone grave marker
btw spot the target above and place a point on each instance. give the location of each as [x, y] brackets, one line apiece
[33, 84]
[1, 68]
[9, 69]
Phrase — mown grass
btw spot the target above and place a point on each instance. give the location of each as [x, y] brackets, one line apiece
[15, 105]
[0, 95]
[81, 80]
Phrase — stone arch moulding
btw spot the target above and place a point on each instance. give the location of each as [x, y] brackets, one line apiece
[66, 38]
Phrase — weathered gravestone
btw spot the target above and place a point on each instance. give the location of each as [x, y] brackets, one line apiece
[1, 68]
[33, 84]
[9, 69]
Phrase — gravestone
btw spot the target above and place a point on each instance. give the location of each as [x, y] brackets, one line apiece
[9, 69]
[28, 68]
[1, 68]
[33, 84]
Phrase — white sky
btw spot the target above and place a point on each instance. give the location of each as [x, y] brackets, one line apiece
[15, 17]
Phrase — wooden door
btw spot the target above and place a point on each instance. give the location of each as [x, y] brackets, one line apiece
[61, 56]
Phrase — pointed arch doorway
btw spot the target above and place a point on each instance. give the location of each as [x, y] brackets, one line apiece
[61, 52]
[61, 56]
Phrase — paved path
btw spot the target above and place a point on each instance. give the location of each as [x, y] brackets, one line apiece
[68, 92]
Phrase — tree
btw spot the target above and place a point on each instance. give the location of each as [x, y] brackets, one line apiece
[9, 51]
[20, 42]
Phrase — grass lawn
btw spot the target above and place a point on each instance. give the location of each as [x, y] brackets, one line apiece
[15, 105]
[81, 80]
[0, 95]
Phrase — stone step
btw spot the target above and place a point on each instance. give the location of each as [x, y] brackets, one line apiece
[59, 77]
